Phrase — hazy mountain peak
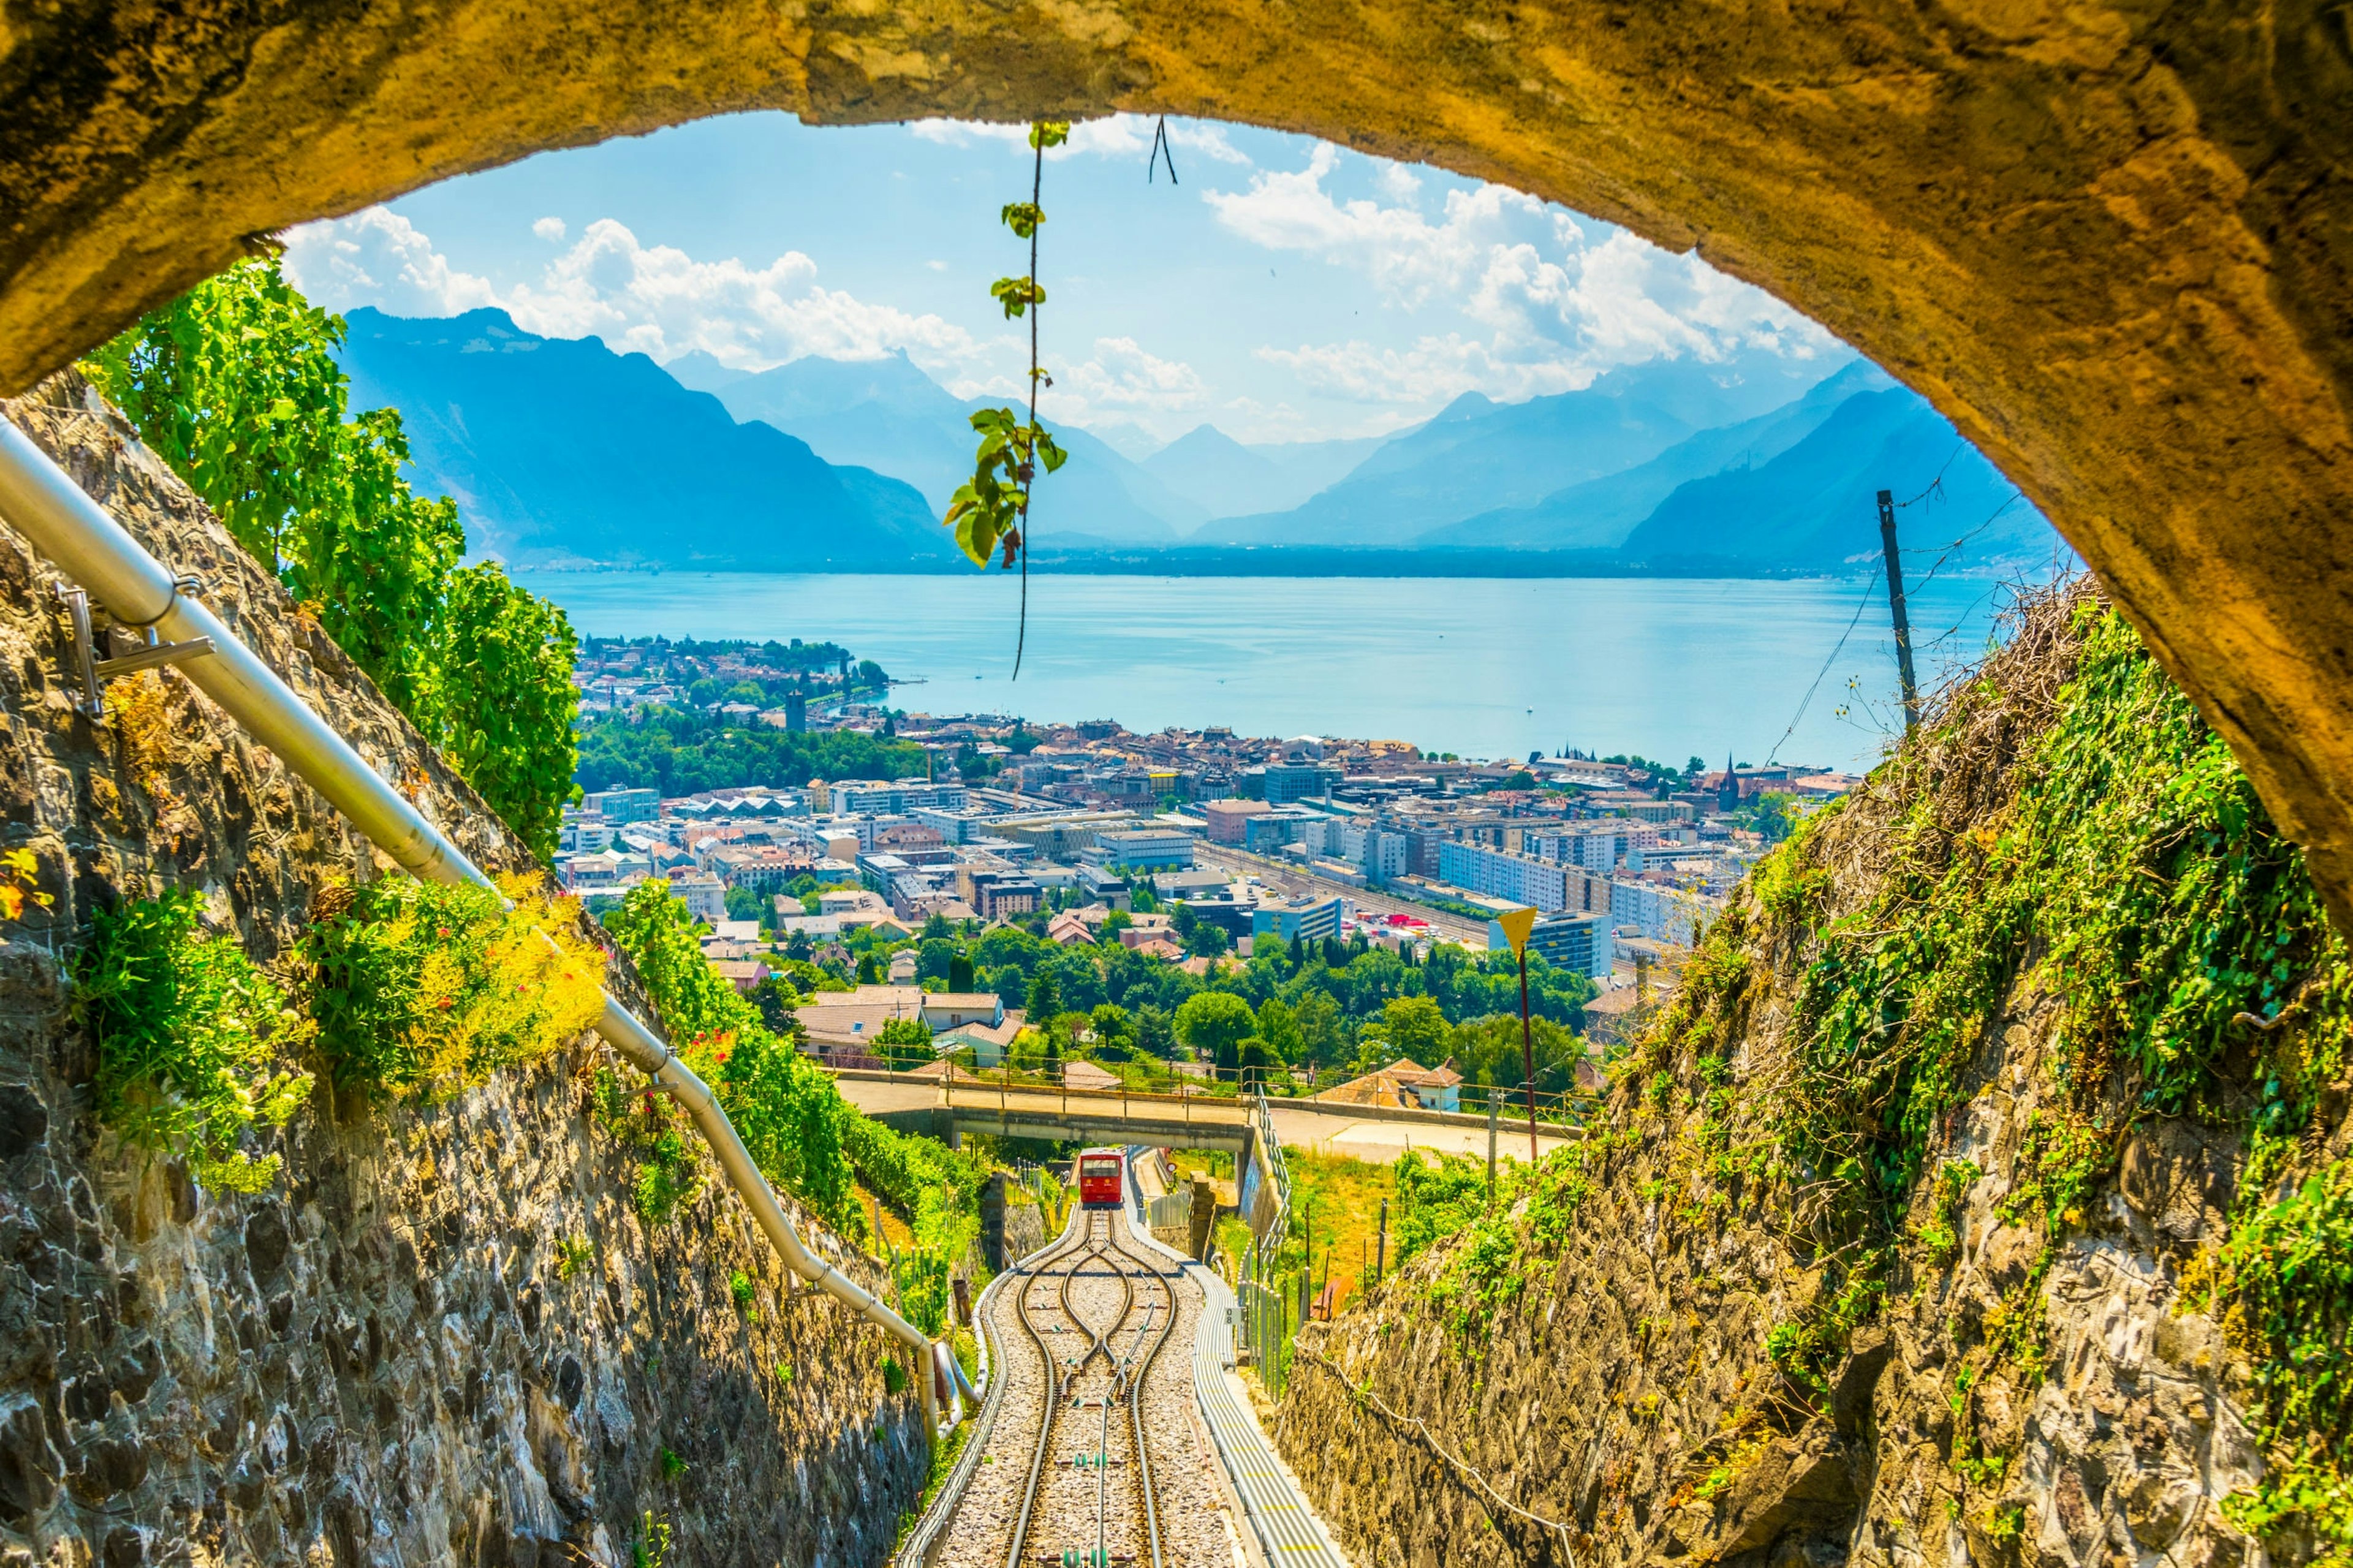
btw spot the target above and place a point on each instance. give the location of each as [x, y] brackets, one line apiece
[699, 371]
[1469, 405]
[1202, 442]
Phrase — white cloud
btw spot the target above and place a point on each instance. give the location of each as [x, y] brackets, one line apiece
[378, 257]
[1115, 136]
[653, 299]
[1123, 375]
[1558, 304]
[1433, 370]
[548, 228]
[1397, 182]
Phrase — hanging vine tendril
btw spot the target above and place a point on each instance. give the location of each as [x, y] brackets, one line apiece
[990, 514]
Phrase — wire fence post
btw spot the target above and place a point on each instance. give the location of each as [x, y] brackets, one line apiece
[1895, 607]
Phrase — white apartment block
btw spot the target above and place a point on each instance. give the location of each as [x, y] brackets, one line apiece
[1501, 873]
[1661, 913]
[705, 896]
[1589, 846]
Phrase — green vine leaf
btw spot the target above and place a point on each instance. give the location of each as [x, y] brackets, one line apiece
[985, 511]
[989, 515]
[1016, 295]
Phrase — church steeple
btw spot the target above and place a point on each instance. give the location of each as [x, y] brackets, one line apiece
[1727, 795]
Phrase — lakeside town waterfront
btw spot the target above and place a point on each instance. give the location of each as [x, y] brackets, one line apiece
[1479, 666]
[914, 911]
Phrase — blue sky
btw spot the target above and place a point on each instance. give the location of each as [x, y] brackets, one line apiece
[1284, 290]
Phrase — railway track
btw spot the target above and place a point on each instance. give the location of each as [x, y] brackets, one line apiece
[1097, 1365]
[1090, 1459]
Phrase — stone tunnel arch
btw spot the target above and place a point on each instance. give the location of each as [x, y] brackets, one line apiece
[2113, 243]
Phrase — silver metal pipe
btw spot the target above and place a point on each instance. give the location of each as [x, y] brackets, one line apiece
[43, 503]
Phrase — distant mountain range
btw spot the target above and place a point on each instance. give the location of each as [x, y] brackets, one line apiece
[564, 453]
[888, 415]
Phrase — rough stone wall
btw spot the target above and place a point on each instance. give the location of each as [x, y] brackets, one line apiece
[1010, 1226]
[1626, 1406]
[381, 1360]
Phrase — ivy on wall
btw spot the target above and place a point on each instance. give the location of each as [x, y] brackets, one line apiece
[235, 384]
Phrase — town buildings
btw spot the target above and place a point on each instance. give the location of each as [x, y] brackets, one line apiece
[1015, 820]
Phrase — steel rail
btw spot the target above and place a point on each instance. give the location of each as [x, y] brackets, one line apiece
[916, 1550]
[1052, 1390]
[42, 501]
[1103, 1343]
[1135, 1384]
[1127, 1376]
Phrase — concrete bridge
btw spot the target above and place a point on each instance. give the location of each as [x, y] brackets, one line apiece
[1372, 1132]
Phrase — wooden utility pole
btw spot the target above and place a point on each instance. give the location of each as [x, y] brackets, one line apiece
[1529, 1053]
[1895, 607]
[1490, 1143]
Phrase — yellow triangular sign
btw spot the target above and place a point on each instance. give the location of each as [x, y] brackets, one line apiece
[1517, 926]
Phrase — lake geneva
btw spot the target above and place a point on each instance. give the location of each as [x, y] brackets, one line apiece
[1482, 667]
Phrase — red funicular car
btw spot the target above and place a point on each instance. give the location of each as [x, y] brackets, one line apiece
[1099, 1179]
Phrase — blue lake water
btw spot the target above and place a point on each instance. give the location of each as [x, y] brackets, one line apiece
[1485, 667]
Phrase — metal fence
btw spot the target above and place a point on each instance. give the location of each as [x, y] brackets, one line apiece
[1267, 1324]
[1268, 1327]
[1175, 1209]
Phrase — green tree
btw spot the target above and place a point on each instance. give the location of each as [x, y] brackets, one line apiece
[743, 904]
[1278, 1026]
[508, 702]
[960, 973]
[776, 997]
[1414, 1026]
[934, 955]
[235, 387]
[1213, 1024]
[1206, 940]
[1111, 1024]
[1043, 1000]
[905, 1042]
[1487, 1050]
[1154, 1033]
[1323, 1030]
[1253, 1062]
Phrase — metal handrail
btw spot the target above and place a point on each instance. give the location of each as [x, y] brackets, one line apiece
[42, 502]
[1265, 1244]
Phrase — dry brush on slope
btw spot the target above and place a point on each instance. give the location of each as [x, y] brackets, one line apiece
[1977, 1197]
[444, 1332]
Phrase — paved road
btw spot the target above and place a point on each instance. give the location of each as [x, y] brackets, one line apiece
[1300, 1125]
[1381, 1143]
[1290, 878]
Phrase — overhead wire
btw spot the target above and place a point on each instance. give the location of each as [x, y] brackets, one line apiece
[1946, 552]
[1805, 701]
[1162, 147]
